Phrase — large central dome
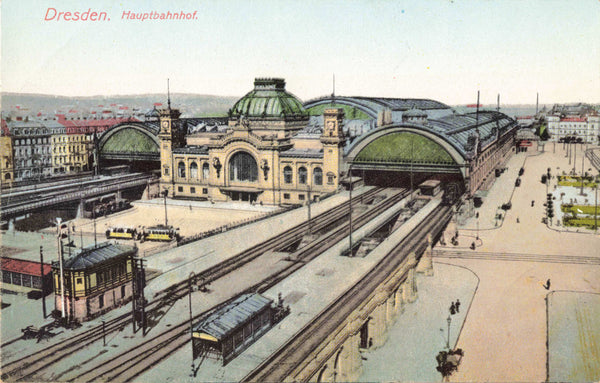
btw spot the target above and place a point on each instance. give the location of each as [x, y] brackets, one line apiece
[268, 99]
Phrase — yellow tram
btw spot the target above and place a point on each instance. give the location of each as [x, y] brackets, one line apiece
[122, 233]
[160, 233]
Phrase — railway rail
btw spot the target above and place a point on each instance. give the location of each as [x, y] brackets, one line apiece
[23, 203]
[137, 360]
[282, 363]
[510, 257]
[26, 367]
[132, 363]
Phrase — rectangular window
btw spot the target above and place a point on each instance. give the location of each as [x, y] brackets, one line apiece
[122, 291]
[286, 196]
[166, 171]
[301, 197]
[204, 191]
[101, 301]
[79, 281]
[192, 190]
[180, 189]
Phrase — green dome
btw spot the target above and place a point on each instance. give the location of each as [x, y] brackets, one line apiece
[268, 99]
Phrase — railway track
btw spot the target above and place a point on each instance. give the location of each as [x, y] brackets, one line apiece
[20, 202]
[281, 364]
[512, 257]
[25, 367]
[132, 363]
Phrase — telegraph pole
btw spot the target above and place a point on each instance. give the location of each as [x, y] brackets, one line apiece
[350, 207]
[191, 286]
[60, 263]
[42, 280]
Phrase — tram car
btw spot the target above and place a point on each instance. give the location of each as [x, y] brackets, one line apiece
[105, 205]
[160, 233]
[123, 233]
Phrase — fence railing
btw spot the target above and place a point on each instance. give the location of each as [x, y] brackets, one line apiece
[232, 225]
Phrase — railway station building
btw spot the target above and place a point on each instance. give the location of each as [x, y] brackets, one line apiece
[274, 149]
[95, 279]
[265, 155]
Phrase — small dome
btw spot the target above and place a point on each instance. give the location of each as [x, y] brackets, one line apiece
[268, 99]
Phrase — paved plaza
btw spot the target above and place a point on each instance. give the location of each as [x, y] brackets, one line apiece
[504, 336]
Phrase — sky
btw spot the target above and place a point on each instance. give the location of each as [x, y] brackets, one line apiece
[439, 49]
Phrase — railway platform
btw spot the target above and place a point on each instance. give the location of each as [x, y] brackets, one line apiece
[308, 292]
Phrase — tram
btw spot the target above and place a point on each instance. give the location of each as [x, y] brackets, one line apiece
[123, 233]
[160, 233]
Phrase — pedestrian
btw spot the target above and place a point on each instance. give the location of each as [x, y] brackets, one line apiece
[518, 220]
[452, 309]
[457, 305]
[472, 245]
[532, 203]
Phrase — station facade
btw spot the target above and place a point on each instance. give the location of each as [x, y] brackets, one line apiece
[261, 157]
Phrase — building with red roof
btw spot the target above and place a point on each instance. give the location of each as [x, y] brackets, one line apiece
[20, 272]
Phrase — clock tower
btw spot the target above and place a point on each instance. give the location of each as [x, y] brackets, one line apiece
[171, 137]
[333, 141]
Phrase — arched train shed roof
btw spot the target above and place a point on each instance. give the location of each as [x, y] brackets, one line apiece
[373, 105]
[455, 131]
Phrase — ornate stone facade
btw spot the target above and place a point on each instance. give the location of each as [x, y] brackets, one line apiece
[256, 159]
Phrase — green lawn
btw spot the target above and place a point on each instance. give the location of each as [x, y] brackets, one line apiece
[586, 184]
[578, 222]
[586, 209]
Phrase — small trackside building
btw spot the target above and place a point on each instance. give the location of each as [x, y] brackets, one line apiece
[228, 331]
[96, 279]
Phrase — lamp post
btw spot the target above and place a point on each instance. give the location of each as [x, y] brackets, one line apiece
[309, 221]
[596, 207]
[449, 320]
[103, 333]
[191, 284]
[165, 192]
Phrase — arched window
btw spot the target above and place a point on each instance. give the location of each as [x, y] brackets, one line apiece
[318, 176]
[205, 171]
[194, 170]
[181, 169]
[287, 175]
[302, 175]
[242, 167]
[7, 176]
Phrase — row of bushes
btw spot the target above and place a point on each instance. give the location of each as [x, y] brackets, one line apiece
[590, 223]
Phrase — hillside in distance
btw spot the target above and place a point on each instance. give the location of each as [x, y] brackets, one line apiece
[189, 104]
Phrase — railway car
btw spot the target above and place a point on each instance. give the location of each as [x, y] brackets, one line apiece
[160, 233]
[122, 233]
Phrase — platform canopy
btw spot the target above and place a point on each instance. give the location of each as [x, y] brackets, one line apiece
[224, 321]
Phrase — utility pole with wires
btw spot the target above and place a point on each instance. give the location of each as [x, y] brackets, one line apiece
[60, 263]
